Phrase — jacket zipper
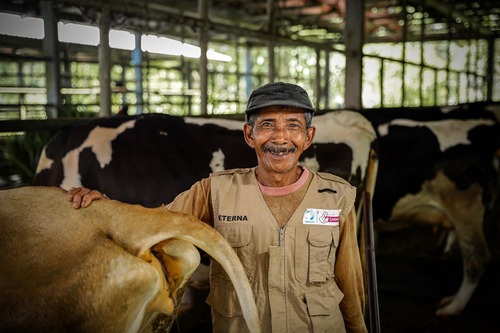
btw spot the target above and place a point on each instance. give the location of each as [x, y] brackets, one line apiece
[281, 235]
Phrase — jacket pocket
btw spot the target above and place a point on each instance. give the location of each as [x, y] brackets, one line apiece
[322, 247]
[324, 310]
[223, 299]
[227, 315]
[240, 238]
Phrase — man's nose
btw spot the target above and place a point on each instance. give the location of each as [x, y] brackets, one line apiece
[280, 135]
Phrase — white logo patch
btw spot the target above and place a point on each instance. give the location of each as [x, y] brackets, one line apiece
[321, 216]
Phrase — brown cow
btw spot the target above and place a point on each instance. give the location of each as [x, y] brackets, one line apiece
[109, 268]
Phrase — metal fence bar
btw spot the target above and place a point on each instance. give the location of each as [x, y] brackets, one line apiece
[373, 316]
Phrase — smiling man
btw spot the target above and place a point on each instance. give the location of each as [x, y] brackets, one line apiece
[293, 229]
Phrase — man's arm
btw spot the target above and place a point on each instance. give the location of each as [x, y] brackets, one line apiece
[196, 201]
[349, 276]
[83, 197]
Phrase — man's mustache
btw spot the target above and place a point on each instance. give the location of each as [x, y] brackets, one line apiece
[278, 149]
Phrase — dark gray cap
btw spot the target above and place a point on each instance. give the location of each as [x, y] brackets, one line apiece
[279, 93]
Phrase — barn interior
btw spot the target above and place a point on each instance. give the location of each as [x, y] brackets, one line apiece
[204, 57]
[326, 45]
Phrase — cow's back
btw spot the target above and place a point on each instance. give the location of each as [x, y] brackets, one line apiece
[57, 275]
[149, 159]
[146, 159]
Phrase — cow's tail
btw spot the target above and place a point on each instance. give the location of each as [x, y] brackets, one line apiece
[154, 226]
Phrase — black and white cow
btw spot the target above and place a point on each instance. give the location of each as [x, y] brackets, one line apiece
[149, 159]
[440, 168]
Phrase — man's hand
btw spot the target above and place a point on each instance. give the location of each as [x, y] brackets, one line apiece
[82, 197]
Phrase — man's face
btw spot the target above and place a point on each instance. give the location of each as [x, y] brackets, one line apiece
[279, 137]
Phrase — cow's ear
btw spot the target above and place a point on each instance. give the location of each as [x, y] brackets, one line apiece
[248, 134]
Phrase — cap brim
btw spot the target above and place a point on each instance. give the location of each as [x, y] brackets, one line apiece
[280, 103]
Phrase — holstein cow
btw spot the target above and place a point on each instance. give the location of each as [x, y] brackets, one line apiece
[440, 171]
[108, 268]
[149, 159]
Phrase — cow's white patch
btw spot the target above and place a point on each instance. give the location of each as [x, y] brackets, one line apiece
[99, 140]
[347, 127]
[310, 163]
[449, 132]
[350, 128]
[44, 162]
[217, 162]
[70, 166]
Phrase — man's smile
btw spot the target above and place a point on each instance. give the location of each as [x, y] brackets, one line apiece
[278, 150]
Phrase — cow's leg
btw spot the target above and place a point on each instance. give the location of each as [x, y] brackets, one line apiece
[440, 202]
[475, 255]
[466, 211]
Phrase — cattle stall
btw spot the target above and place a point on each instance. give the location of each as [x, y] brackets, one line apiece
[139, 99]
[416, 260]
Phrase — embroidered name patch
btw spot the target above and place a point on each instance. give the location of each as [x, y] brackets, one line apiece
[233, 218]
[321, 216]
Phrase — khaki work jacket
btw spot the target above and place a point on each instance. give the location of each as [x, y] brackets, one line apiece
[291, 269]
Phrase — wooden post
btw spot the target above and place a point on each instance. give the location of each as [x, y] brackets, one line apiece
[373, 317]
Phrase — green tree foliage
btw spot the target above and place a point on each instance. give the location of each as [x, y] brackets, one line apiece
[19, 157]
